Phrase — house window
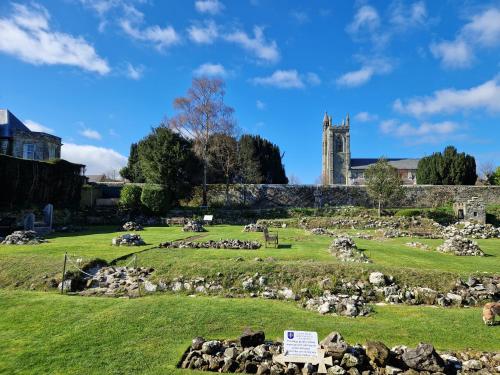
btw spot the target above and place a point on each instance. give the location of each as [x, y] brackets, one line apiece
[29, 151]
[52, 151]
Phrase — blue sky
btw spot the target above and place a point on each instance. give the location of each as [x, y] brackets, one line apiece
[414, 76]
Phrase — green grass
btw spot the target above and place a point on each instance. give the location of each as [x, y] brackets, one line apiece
[44, 332]
[50, 333]
[301, 260]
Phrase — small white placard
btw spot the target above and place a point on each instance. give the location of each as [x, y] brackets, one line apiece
[208, 217]
[300, 343]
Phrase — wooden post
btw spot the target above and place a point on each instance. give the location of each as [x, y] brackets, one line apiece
[64, 273]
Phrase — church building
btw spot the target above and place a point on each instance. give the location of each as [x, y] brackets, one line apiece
[339, 168]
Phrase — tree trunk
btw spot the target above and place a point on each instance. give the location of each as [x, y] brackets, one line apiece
[204, 203]
[227, 192]
[379, 207]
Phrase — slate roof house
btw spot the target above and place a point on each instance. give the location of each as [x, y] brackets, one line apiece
[340, 169]
[19, 141]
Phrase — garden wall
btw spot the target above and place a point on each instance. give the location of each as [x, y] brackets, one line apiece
[271, 196]
[267, 196]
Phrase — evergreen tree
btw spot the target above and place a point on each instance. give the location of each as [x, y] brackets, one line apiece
[447, 168]
[133, 171]
[167, 159]
[260, 161]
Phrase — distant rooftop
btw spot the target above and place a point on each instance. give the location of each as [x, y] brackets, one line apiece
[396, 163]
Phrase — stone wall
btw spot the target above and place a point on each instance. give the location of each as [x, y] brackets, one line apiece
[268, 196]
[271, 196]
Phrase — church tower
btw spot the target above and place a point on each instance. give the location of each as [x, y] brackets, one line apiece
[336, 157]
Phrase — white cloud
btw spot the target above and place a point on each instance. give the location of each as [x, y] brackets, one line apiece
[484, 96]
[91, 134]
[365, 73]
[262, 49]
[454, 54]
[161, 37]
[284, 79]
[210, 70]
[260, 105]
[406, 17]
[27, 35]
[365, 117]
[425, 132]
[365, 19]
[288, 79]
[482, 31]
[209, 6]
[134, 72]
[484, 28]
[97, 159]
[203, 35]
[37, 127]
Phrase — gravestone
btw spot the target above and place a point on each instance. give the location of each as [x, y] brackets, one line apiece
[29, 221]
[48, 213]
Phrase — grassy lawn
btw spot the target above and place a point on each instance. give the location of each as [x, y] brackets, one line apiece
[302, 257]
[49, 333]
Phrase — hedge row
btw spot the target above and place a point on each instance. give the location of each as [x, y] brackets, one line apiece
[148, 198]
[26, 183]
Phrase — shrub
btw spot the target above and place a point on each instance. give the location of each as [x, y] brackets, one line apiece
[155, 198]
[130, 197]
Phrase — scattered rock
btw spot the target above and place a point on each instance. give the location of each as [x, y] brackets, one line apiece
[221, 244]
[377, 278]
[423, 358]
[23, 237]
[131, 226]
[461, 246]
[129, 239]
[194, 226]
[345, 250]
[254, 228]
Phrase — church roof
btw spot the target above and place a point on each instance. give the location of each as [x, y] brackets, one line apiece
[396, 163]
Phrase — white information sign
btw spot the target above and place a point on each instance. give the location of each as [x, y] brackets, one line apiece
[300, 343]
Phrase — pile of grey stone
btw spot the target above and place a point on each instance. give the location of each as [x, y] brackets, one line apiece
[194, 226]
[221, 244]
[254, 227]
[338, 304]
[118, 281]
[345, 250]
[472, 230]
[465, 293]
[460, 246]
[23, 237]
[128, 239]
[322, 232]
[251, 353]
[132, 226]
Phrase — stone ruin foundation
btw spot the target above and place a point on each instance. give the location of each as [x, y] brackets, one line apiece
[251, 353]
[23, 237]
[345, 250]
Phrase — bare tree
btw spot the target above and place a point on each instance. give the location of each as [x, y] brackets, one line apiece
[486, 170]
[294, 180]
[203, 113]
[223, 150]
